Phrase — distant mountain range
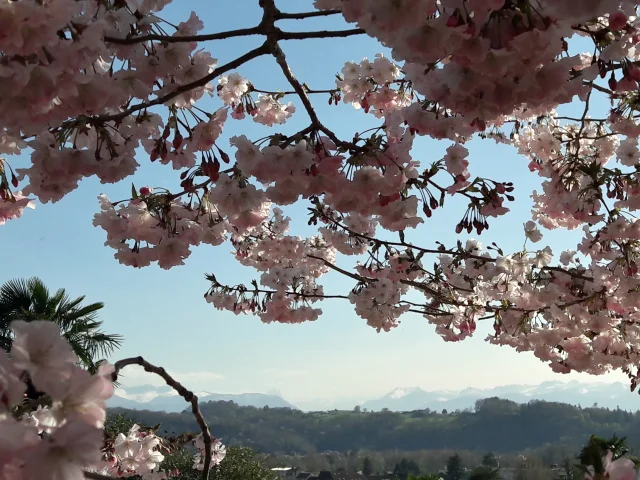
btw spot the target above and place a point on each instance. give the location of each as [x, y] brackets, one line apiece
[610, 395]
[148, 397]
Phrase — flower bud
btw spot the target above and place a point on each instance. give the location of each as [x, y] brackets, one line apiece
[617, 20]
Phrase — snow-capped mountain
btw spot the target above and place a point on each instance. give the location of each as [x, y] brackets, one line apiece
[609, 395]
[148, 397]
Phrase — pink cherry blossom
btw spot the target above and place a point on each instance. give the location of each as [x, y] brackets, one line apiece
[39, 350]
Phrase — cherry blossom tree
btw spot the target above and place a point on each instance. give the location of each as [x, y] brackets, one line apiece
[94, 83]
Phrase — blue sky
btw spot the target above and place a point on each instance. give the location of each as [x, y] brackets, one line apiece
[163, 315]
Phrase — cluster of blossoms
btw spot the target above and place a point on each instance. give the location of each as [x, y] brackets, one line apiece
[289, 265]
[63, 437]
[235, 91]
[369, 85]
[483, 59]
[161, 232]
[62, 440]
[134, 453]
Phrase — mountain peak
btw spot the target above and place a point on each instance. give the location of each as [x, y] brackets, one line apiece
[404, 399]
[401, 392]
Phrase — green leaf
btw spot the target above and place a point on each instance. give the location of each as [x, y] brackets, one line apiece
[134, 192]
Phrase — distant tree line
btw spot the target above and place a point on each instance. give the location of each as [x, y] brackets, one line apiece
[497, 425]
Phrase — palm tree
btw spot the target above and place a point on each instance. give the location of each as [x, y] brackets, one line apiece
[31, 300]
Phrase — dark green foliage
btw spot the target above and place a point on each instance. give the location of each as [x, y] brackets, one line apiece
[116, 424]
[455, 470]
[241, 463]
[490, 460]
[367, 466]
[498, 425]
[30, 300]
[484, 473]
[569, 471]
[404, 468]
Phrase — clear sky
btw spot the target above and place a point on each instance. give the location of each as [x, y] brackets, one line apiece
[163, 314]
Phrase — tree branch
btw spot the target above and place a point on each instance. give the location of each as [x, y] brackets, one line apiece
[256, 52]
[338, 269]
[188, 395]
[321, 34]
[244, 290]
[299, 16]
[281, 59]
[242, 32]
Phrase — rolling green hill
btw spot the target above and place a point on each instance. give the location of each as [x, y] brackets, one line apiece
[496, 425]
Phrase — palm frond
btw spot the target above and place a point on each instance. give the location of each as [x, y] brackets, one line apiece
[14, 295]
[31, 300]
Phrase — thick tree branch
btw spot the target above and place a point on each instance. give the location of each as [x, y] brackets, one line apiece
[242, 32]
[188, 395]
[320, 34]
[299, 16]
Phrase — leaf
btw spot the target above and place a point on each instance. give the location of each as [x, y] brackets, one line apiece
[134, 192]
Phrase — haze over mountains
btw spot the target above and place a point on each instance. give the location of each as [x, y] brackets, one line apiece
[147, 397]
[164, 398]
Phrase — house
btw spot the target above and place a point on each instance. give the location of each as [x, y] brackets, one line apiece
[286, 472]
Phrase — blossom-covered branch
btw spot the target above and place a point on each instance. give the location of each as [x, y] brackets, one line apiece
[188, 395]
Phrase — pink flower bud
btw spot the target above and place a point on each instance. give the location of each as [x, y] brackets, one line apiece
[145, 191]
[617, 20]
[634, 72]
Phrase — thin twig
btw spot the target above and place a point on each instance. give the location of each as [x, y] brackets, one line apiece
[188, 395]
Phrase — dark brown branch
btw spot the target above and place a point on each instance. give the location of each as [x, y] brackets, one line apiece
[242, 32]
[338, 269]
[465, 255]
[188, 395]
[321, 34]
[299, 16]
[281, 59]
[256, 52]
